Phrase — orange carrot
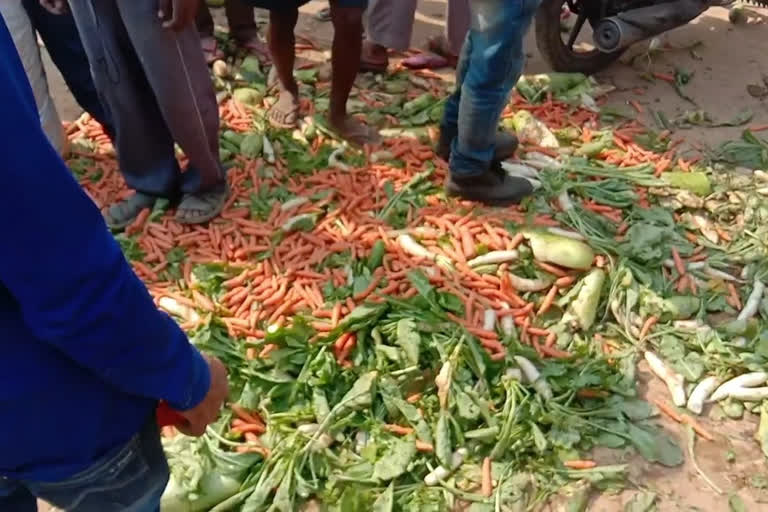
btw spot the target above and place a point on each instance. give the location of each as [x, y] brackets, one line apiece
[398, 429]
[487, 481]
[564, 282]
[467, 244]
[369, 289]
[580, 464]
[549, 299]
[245, 415]
[552, 269]
[424, 447]
[696, 426]
[555, 352]
[592, 393]
[635, 105]
[647, 326]
[668, 410]
[734, 295]
[666, 77]
[516, 240]
[758, 128]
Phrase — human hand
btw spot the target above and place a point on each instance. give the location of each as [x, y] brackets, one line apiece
[55, 6]
[177, 14]
[206, 412]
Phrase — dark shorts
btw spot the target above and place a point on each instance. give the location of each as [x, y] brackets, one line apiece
[285, 5]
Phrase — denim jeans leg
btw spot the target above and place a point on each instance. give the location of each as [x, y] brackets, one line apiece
[130, 479]
[449, 126]
[495, 61]
[15, 497]
[62, 40]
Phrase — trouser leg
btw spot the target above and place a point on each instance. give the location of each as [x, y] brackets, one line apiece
[389, 23]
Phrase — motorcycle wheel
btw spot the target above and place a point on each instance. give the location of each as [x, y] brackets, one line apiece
[558, 53]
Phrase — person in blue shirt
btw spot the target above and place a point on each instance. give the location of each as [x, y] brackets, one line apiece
[86, 355]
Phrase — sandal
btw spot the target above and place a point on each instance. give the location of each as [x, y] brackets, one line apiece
[211, 49]
[256, 47]
[121, 214]
[370, 63]
[284, 114]
[425, 61]
[201, 207]
[439, 45]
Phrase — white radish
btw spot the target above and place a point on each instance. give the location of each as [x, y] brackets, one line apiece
[493, 258]
[750, 394]
[753, 302]
[440, 473]
[523, 284]
[533, 376]
[507, 321]
[489, 320]
[334, 160]
[674, 381]
[268, 150]
[567, 234]
[294, 203]
[700, 393]
[747, 380]
[514, 374]
[414, 248]
[519, 170]
[541, 161]
[172, 306]
[761, 175]
[564, 200]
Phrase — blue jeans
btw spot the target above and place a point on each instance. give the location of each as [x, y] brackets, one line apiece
[490, 64]
[59, 33]
[130, 479]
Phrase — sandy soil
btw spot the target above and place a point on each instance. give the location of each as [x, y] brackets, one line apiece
[727, 60]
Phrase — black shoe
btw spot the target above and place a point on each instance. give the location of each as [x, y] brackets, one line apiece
[494, 187]
[505, 146]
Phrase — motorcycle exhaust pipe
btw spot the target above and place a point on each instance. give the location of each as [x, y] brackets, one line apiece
[625, 29]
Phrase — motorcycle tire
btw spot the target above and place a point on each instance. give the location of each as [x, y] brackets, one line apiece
[549, 41]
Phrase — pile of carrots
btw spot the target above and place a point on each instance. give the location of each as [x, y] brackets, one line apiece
[277, 280]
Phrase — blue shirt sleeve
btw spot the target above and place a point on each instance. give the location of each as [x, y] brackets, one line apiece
[74, 288]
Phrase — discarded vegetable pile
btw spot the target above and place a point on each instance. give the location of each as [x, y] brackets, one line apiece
[390, 349]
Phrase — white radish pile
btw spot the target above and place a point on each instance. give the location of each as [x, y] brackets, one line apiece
[742, 387]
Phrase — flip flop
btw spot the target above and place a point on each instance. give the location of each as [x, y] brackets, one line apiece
[425, 61]
[121, 214]
[209, 203]
[283, 125]
[211, 49]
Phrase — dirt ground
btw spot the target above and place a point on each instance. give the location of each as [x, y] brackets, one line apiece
[727, 59]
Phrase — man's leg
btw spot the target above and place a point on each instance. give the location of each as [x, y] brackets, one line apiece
[14, 497]
[144, 145]
[243, 28]
[494, 62]
[281, 40]
[456, 24]
[347, 47]
[389, 25]
[62, 40]
[130, 479]
[178, 77]
[204, 23]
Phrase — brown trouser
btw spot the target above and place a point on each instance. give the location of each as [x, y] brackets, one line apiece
[390, 23]
[242, 25]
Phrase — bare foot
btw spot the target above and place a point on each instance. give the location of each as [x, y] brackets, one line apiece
[353, 131]
[284, 113]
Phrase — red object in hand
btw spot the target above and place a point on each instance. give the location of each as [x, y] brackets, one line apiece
[167, 417]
